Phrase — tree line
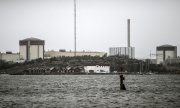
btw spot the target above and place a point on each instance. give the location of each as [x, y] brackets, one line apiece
[116, 63]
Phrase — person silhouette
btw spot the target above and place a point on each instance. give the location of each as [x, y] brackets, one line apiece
[122, 86]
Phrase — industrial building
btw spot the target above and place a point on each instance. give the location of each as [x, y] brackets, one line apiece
[60, 53]
[165, 52]
[124, 51]
[31, 48]
[97, 69]
[9, 57]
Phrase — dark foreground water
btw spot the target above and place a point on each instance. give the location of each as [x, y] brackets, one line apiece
[102, 91]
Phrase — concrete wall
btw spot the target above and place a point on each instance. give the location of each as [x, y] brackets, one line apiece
[97, 69]
[41, 51]
[33, 52]
[159, 57]
[23, 52]
[169, 54]
[36, 51]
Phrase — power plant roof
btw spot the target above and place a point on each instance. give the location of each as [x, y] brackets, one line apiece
[166, 45]
[31, 39]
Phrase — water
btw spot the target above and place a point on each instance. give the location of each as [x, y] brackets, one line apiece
[102, 91]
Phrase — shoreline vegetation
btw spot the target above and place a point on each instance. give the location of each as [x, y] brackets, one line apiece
[75, 66]
[95, 74]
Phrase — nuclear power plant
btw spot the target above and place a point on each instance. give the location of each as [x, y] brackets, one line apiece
[165, 52]
[124, 51]
[31, 48]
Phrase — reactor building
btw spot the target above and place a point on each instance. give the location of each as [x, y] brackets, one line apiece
[124, 51]
[165, 52]
[31, 48]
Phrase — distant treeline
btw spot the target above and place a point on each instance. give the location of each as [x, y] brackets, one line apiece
[60, 64]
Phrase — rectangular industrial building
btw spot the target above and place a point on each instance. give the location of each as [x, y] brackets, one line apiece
[31, 48]
[122, 51]
[164, 52]
[10, 57]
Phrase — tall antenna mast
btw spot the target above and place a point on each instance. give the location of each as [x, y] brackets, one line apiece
[74, 27]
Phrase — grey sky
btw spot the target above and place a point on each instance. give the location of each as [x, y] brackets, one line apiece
[100, 24]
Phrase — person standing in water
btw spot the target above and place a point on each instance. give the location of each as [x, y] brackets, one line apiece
[122, 86]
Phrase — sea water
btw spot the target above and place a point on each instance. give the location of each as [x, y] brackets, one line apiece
[88, 91]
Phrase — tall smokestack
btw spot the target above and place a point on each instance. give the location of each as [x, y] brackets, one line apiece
[128, 33]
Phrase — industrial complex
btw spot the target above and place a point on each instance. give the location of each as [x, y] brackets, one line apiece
[34, 48]
[124, 51]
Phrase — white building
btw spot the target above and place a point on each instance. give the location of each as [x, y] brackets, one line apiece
[50, 54]
[122, 51]
[31, 48]
[97, 69]
[165, 52]
[10, 57]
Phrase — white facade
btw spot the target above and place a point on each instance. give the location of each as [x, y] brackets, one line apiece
[50, 54]
[159, 57]
[169, 54]
[97, 69]
[36, 51]
[14, 57]
[122, 51]
[23, 52]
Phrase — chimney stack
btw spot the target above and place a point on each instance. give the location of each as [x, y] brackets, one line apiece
[128, 33]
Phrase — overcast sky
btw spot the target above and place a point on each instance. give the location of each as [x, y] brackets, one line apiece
[100, 24]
